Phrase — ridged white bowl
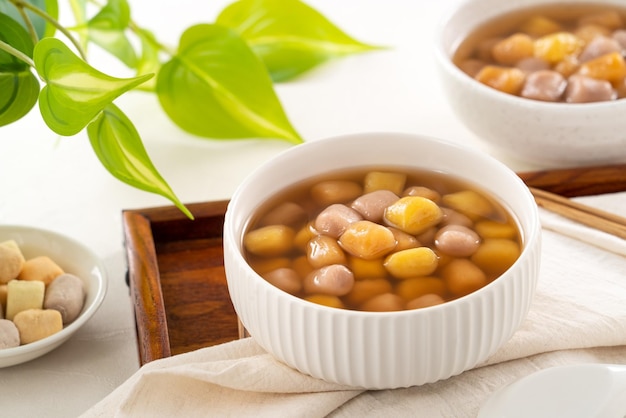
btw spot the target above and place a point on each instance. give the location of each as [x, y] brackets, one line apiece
[392, 349]
[550, 134]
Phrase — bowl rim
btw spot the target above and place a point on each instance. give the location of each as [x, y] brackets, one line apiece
[88, 310]
[530, 238]
[443, 54]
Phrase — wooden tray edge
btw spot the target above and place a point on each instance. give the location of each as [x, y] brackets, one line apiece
[578, 181]
[143, 275]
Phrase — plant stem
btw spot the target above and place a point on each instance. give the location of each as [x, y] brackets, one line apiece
[29, 24]
[16, 53]
[55, 23]
[137, 30]
[79, 18]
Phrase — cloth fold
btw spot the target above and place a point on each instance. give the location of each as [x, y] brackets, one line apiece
[233, 379]
[578, 315]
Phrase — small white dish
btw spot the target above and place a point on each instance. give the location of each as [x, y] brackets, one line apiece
[582, 390]
[73, 257]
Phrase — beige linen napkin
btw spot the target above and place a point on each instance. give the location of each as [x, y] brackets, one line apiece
[578, 315]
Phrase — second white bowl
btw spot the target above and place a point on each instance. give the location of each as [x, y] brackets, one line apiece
[542, 133]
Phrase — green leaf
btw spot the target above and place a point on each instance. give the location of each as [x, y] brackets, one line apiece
[13, 34]
[42, 27]
[118, 146]
[18, 95]
[149, 60]
[19, 88]
[114, 15]
[107, 29]
[217, 87]
[75, 92]
[289, 36]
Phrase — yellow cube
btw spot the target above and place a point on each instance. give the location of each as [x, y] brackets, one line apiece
[323, 250]
[413, 262]
[364, 290]
[505, 79]
[419, 286]
[368, 240]
[493, 229]
[540, 26]
[610, 67]
[413, 214]
[496, 255]
[513, 49]
[366, 269]
[273, 240]
[379, 180]
[469, 203]
[557, 46]
[264, 265]
[23, 295]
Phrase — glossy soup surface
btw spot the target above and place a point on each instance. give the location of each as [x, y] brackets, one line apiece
[378, 239]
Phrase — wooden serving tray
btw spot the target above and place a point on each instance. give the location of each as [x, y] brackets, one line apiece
[177, 281]
[176, 272]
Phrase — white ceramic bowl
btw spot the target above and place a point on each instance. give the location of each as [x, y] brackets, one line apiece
[391, 349]
[73, 257]
[550, 134]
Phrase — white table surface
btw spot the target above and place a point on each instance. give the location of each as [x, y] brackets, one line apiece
[57, 183]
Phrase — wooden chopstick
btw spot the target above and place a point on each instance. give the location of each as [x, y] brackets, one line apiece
[586, 215]
[578, 181]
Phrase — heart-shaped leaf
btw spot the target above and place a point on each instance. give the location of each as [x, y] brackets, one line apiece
[19, 88]
[75, 92]
[18, 95]
[118, 146]
[42, 27]
[289, 36]
[107, 29]
[217, 87]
